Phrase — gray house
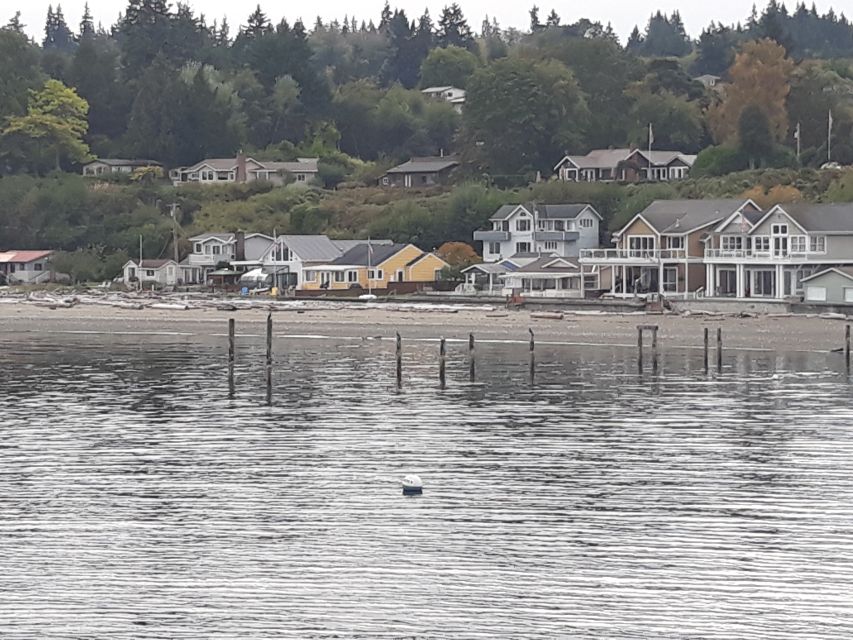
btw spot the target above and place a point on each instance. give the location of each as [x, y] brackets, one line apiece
[109, 166]
[420, 172]
[834, 285]
[773, 255]
[552, 229]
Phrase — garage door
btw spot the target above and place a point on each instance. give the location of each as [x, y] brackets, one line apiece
[816, 294]
[848, 294]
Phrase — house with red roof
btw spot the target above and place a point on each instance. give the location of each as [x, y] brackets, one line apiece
[25, 267]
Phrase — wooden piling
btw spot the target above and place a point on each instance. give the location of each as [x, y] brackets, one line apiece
[847, 345]
[532, 363]
[706, 349]
[471, 358]
[269, 358]
[399, 354]
[655, 349]
[640, 348]
[231, 354]
[719, 348]
[442, 362]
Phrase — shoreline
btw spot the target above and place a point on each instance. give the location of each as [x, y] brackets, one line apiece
[780, 333]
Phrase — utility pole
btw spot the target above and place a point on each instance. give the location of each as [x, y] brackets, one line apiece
[172, 211]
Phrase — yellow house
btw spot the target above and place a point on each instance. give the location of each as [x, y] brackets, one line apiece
[374, 267]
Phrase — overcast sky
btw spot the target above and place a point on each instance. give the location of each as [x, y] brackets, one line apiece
[623, 14]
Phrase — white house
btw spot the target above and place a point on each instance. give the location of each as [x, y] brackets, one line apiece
[242, 170]
[25, 267]
[452, 95]
[546, 277]
[109, 166]
[151, 272]
[211, 249]
[558, 229]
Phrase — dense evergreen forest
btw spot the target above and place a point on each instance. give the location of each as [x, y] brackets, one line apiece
[165, 83]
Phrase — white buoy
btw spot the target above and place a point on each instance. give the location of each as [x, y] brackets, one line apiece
[412, 485]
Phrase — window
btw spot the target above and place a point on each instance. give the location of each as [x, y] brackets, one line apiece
[149, 273]
[816, 294]
[522, 247]
[670, 279]
[505, 225]
[550, 245]
[817, 244]
[761, 244]
[779, 229]
[374, 274]
[586, 223]
[494, 247]
[215, 249]
[310, 276]
[675, 242]
[385, 181]
[731, 243]
[38, 266]
[798, 244]
[197, 248]
[339, 276]
[352, 276]
[641, 245]
[522, 225]
[300, 177]
[848, 294]
[559, 225]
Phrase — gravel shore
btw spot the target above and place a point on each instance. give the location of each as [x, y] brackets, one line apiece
[768, 333]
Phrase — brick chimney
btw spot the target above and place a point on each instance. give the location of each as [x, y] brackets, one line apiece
[240, 246]
[241, 167]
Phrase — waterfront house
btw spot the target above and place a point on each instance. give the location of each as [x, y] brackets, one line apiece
[147, 273]
[109, 166]
[547, 277]
[560, 229]
[25, 267]
[625, 165]
[242, 170]
[773, 254]
[212, 250]
[662, 248]
[420, 172]
[452, 95]
[833, 285]
[485, 277]
[401, 267]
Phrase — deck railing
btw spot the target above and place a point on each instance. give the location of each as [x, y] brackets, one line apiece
[617, 255]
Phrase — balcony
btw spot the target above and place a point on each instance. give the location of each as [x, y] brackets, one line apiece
[753, 255]
[208, 259]
[555, 236]
[492, 236]
[633, 256]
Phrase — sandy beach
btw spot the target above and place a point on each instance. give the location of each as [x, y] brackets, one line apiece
[767, 333]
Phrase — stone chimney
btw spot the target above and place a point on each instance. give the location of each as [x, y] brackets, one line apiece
[240, 246]
[241, 167]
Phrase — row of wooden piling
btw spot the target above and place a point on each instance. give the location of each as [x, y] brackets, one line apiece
[472, 367]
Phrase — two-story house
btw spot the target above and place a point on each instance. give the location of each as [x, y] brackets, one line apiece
[370, 266]
[242, 170]
[552, 229]
[625, 165]
[770, 255]
[662, 248]
[451, 95]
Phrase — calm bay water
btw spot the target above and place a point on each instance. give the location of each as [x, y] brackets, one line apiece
[137, 500]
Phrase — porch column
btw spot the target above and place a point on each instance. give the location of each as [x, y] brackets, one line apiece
[660, 278]
[612, 280]
[624, 284]
[686, 278]
[712, 279]
[778, 288]
[741, 288]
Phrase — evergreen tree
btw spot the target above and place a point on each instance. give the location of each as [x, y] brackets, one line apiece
[553, 20]
[87, 25]
[386, 16]
[15, 24]
[453, 29]
[535, 25]
[258, 24]
[635, 41]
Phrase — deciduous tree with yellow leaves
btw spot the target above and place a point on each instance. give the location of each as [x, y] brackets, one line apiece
[759, 77]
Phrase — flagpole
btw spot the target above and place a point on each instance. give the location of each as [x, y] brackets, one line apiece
[651, 137]
[829, 137]
[369, 267]
[798, 141]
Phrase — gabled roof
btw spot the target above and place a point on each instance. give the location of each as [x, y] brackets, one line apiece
[545, 211]
[358, 255]
[425, 165]
[847, 272]
[346, 245]
[664, 158]
[550, 264]
[222, 237]
[120, 162]
[150, 264]
[439, 89]
[750, 215]
[316, 248]
[425, 254]
[683, 216]
[496, 268]
[23, 256]
[610, 158]
[823, 218]
[301, 165]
